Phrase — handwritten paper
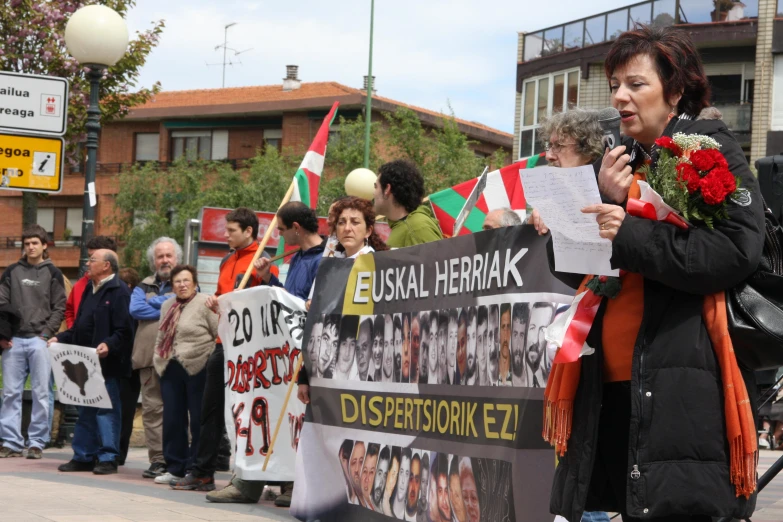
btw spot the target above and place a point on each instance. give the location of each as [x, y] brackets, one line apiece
[559, 195]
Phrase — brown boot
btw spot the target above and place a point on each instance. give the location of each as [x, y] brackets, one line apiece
[229, 495]
[286, 492]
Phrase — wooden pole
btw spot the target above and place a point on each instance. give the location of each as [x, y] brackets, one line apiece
[283, 410]
[265, 240]
[285, 254]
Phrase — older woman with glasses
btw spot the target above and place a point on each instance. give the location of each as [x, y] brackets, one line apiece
[186, 338]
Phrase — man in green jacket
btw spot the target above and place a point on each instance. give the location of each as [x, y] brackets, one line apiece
[399, 190]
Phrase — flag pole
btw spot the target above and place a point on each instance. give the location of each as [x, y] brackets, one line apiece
[267, 235]
[294, 377]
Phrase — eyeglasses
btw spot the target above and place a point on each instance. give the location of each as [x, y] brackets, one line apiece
[556, 147]
[184, 282]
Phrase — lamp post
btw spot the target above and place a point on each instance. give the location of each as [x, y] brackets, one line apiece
[97, 37]
[368, 110]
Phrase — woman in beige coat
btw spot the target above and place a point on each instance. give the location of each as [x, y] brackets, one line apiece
[186, 338]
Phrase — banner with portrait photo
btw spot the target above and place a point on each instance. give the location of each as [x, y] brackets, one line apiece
[261, 329]
[427, 368]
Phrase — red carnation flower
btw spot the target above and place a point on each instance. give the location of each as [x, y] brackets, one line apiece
[726, 179]
[703, 160]
[720, 159]
[688, 175]
[665, 142]
[713, 190]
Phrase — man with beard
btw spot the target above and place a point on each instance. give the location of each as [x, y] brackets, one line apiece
[443, 340]
[329, 342]
[462, 346]
[345, 459]
[421, 509]
[388, 349]
[414, 487]
[469, 490]
[440, 477]
[414, 343]
[492, 345]
[540, 317]
[423, 322]
[355, 468]
[397, 347]
[368, 474]
[406, 348]
[377, 350]
[481, 347]
[364, 348]
[453, 341]
[314, 344]
[504, 359]
[400, 494]
[519, 316]
[455, 491]
[345, 368]
[380, 478]
[470, 370]
[433, 368]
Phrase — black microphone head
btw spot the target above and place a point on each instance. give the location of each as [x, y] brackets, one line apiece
[608, 117]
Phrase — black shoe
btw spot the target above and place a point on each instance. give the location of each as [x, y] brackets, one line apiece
[105, 468]
[155, 470]
[192, 483]
[223, 464]
[75, 465]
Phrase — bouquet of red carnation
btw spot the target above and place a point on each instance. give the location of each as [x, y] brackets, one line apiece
[693, 177]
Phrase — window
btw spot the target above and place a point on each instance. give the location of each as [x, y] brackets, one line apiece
[192, 145]
[726, 89]
[274, 138]
[73, 221]
[541, 97]
[45, 218]
[148, 146]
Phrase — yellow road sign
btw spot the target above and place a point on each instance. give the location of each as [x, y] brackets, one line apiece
[31, 163]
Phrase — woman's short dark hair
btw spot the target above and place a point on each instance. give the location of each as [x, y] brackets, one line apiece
[102, 243]
[677, 62]
[297, 212]
[185, 268]
[407, 184]
[130, 277]
[366, 208]
[244, 217]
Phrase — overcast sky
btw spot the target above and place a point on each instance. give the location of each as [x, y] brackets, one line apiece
[427, 52]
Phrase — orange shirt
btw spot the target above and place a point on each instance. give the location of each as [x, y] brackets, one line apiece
[623, 318]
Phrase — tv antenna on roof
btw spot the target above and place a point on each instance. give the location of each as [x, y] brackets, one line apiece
[226, 48]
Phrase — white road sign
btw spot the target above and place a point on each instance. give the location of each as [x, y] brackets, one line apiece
[32, 103]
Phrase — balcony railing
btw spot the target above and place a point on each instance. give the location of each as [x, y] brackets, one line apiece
[116, 168]
[607, 26]
[736, 116]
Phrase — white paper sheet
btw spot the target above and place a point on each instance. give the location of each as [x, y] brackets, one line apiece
[559, 195]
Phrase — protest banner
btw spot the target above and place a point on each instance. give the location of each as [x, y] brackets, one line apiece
[77, 373]
[261, 329]
[427, 366]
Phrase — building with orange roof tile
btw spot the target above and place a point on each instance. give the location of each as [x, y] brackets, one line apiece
[211, 124]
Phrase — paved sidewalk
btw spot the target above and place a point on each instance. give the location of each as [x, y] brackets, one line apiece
[34, 490]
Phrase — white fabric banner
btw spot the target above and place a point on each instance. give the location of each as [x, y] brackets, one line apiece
[261, 329]
[77, 373]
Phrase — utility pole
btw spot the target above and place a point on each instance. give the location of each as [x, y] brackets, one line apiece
[368, 109]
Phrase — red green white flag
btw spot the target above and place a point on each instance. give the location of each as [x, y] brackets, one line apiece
[503, 190]
[308, 176]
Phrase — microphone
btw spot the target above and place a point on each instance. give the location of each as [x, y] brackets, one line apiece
[609, 120]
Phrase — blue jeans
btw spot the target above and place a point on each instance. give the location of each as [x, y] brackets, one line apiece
[97, 432]
[25, 354]
[595, 516]
[182, 394]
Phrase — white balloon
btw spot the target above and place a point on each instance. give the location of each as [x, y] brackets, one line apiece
[360, 183]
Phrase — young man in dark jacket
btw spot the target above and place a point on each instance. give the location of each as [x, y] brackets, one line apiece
[103, 322]
[34, 287]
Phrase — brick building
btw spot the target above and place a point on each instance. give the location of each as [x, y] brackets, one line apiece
[741, 46]
[215, 124]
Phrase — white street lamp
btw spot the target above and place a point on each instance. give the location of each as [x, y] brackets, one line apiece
[97, 37]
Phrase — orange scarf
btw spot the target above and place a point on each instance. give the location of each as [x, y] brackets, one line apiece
[740, 426]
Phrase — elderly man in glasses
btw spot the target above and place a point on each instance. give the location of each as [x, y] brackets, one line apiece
[571, 139]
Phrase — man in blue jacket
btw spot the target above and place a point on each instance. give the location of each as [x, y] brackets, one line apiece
[103, 322]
